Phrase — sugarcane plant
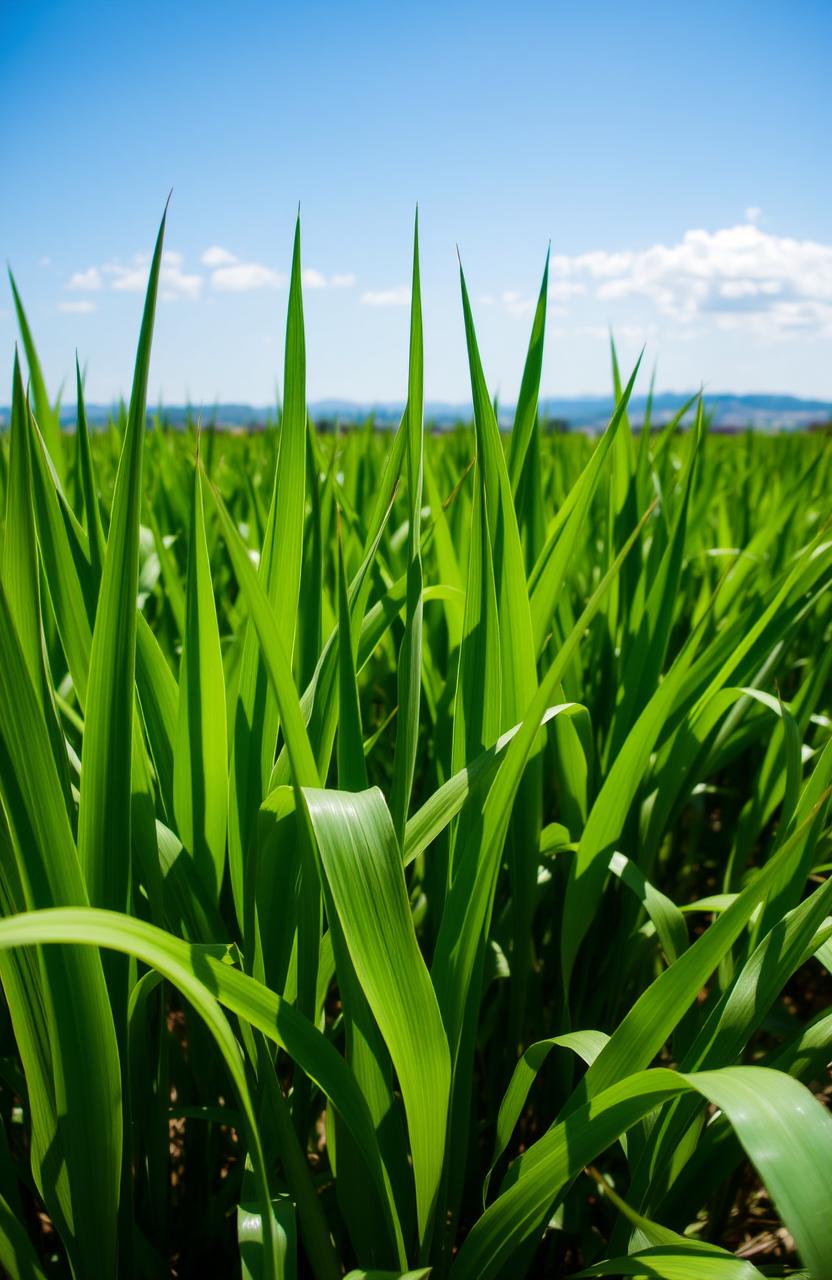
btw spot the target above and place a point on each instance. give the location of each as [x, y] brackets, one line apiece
[414, 847]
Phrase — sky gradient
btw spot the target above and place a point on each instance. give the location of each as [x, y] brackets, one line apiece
[675, 156]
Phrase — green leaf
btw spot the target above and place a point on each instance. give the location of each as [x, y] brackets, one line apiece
[352, 768]
[104, 830]
[549, 574]
[275, 658]
[478, 702]
[250, 1239]
[651, 1019]
[21, 577]
[207, 982]
[469, 902]
[361, 860]
[422, 1273]
[200, 771]
[76, 1121]
[409, 673]
[587, 1044]
[89, 488]
[526, 411]
[676, 1262]
[64, 552]
[47, 416]
[785, 1132]
[257, 713]
[517, 658]
[17, 1256]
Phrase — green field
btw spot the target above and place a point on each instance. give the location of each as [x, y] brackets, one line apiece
[414, 848]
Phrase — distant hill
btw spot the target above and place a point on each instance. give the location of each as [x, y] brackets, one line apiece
[730, 412]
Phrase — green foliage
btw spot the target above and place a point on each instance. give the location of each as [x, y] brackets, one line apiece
[403, 837]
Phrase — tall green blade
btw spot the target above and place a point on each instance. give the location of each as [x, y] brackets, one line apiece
[208, 982]
[77, 1133]
[526, 412]
[104, 829]
[47, 416]
[256, 716]
[409, 674]
[352, 767]
[767, 1110]
[21, 573]
[88, 480]
[200, 770]
[362, 863]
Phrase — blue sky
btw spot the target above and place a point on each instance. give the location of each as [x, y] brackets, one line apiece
[675, 155]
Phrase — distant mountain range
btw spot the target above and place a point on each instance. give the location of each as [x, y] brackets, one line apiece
[586, 413]
[729, 412]
[581, 413]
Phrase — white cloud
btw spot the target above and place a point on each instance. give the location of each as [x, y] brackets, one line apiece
[519, 304]
[216, 256]
[753, 213]
[516, 304]
[80, 308]
[313, 279]
[788, 319]
[174, 283]
[126, 279]
[397, 297]
[778, 284]
[738, 289]
[598, 331]
[253, 275]
[173, 280]
[227, 275]
[242, 277]
[599, 264]
[87, 281]
[566, 289]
